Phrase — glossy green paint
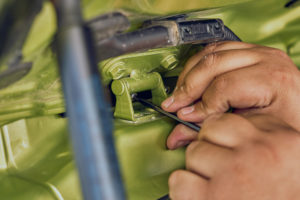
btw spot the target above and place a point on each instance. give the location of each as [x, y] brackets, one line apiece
[39, 93]
[145, 161]
[159, 60]
[137, 82]
[137, 73]
[35, 158]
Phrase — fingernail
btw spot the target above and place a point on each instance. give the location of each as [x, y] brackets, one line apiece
[168, 102]
[187, 110]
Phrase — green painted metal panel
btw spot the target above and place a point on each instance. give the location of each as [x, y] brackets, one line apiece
[35, 157]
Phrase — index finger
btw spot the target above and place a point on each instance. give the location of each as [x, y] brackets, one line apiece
[213, 47]
[198, 79]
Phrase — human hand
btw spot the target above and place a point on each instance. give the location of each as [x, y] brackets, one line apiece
[246, 77]
[254, 157]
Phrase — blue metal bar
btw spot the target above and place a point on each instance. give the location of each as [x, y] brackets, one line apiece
[90, 119]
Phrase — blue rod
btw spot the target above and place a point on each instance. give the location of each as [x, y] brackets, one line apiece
[90, 119]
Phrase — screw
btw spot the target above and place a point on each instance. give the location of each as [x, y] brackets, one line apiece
[217, 26]
[133, 96]
[167, 89]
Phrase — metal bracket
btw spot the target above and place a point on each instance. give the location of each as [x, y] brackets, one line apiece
[137, 82]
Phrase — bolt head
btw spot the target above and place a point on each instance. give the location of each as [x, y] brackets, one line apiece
[169, 62]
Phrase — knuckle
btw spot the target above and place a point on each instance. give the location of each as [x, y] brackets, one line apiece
[223, 45]
[202, 106]
[238, 165]
[190, 149]
[278, 53]
[213, 104]
[211, 47]
[241, 124]
[216, 99]
[188, 88]
[180, 82]
[267, 98]
[266, 151]
[211, 123]
[174, 177]
[220, 84]
[283, 74]
[210, 59]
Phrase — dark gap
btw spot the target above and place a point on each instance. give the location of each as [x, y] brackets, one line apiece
[290, 3]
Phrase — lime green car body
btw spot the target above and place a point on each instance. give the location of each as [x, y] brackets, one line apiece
[36, 160]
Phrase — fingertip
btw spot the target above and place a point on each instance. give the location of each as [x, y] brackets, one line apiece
[178, 100]
[175, 137]
[172, 139]
[171, 104]
[187, 185]
[171, 144]
[180, 137]
[167, 103]
[173, 178]
[191, 114]
[177, 144]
